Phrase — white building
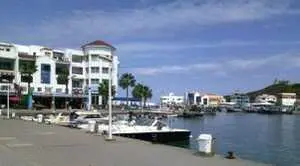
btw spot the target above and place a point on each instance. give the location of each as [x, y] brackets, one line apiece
[265, 98]
[87, 67]
[204, 99]
[288, 99]
[172, 99]
[211, 100]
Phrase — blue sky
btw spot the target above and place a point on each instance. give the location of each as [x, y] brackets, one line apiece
[172, 45]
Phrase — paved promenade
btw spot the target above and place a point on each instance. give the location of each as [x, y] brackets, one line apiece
[31, 144]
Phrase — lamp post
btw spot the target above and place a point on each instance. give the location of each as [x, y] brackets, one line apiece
[8, 87]
[110, 104]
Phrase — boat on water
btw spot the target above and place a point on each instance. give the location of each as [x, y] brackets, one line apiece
[74, 118]
[274, 110]
[233, 109]
[153, 130]
[148, 130]
[190, 114]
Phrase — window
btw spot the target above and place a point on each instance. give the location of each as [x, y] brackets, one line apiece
[39, 89]
[76, 58]
[76, 84]
[4, 88]
[94, 81]
[26, 78]
[94, 57]
[105, 70]
[45, 73]
[45, 67]
[77, 70]
[58, 90]
[95, 69]
[8, 49]
[47, 53]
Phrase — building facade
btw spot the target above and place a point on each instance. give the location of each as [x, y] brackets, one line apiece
[240, 99]
[87, 67]
[288, 99]
[171, 99]
[204, 99]
[265, 98]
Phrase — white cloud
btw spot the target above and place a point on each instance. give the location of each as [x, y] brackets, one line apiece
[174, 69]
[281, 61]
[158, 19]
[136, 47]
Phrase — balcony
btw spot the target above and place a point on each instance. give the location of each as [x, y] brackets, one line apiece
[4, 88]
[77, 91]
[62, 60]
[26, 56]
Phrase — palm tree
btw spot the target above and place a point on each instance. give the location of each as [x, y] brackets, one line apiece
[27, 69]
[63, 78]
[142, 92]
[103, 91]
[127, 80]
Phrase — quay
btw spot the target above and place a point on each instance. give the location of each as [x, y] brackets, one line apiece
[32, 144]
[25, 112]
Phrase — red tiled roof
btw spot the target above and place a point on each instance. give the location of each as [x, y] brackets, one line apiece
[99, 43]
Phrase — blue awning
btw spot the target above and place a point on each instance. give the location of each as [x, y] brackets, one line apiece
[125, 99]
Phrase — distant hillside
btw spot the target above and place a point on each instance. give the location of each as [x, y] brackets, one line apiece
[275, 89]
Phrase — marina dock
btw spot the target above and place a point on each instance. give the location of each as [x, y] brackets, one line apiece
[32, 144]
[25, 112]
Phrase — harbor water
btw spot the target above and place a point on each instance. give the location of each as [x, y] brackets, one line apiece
[272, 139]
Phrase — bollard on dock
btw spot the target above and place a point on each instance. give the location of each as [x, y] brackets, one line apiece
[205, 144]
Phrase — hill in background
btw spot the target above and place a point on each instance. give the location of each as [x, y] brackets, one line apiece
[276, 88]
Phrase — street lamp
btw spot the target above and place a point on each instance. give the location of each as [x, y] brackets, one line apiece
[110, 104]
[8, 87]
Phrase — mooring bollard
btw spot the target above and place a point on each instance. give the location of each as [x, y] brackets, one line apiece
[93, 127]
[13, 115]
[40, 118]
[205, 142]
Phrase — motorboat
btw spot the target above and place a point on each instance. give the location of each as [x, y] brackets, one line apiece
[80, 119]
[147, 130]
[73, 118]
[153, 130]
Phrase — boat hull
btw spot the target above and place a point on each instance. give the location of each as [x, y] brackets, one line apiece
[158, 137]
[190, 114]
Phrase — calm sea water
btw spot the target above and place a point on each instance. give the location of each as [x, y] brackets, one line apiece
[273, 139]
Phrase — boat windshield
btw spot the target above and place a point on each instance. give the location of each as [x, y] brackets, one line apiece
[144, 121]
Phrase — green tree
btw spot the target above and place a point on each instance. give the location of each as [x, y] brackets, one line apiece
[103, 92]
[142, 92]
[63, 78]
[27, 69]
[126, 81]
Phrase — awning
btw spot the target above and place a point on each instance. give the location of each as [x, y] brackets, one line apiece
[14, 99]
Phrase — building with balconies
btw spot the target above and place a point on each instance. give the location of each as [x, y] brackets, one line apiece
[87, 67]
[266, 98]
[171, 99]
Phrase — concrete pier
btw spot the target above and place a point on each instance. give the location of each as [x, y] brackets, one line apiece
[25, 112]
[31, 144]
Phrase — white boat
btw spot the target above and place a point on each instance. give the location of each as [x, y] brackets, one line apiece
[73, 118]
[152, 130]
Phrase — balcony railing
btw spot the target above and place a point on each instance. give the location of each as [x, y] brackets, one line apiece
[62, 60]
